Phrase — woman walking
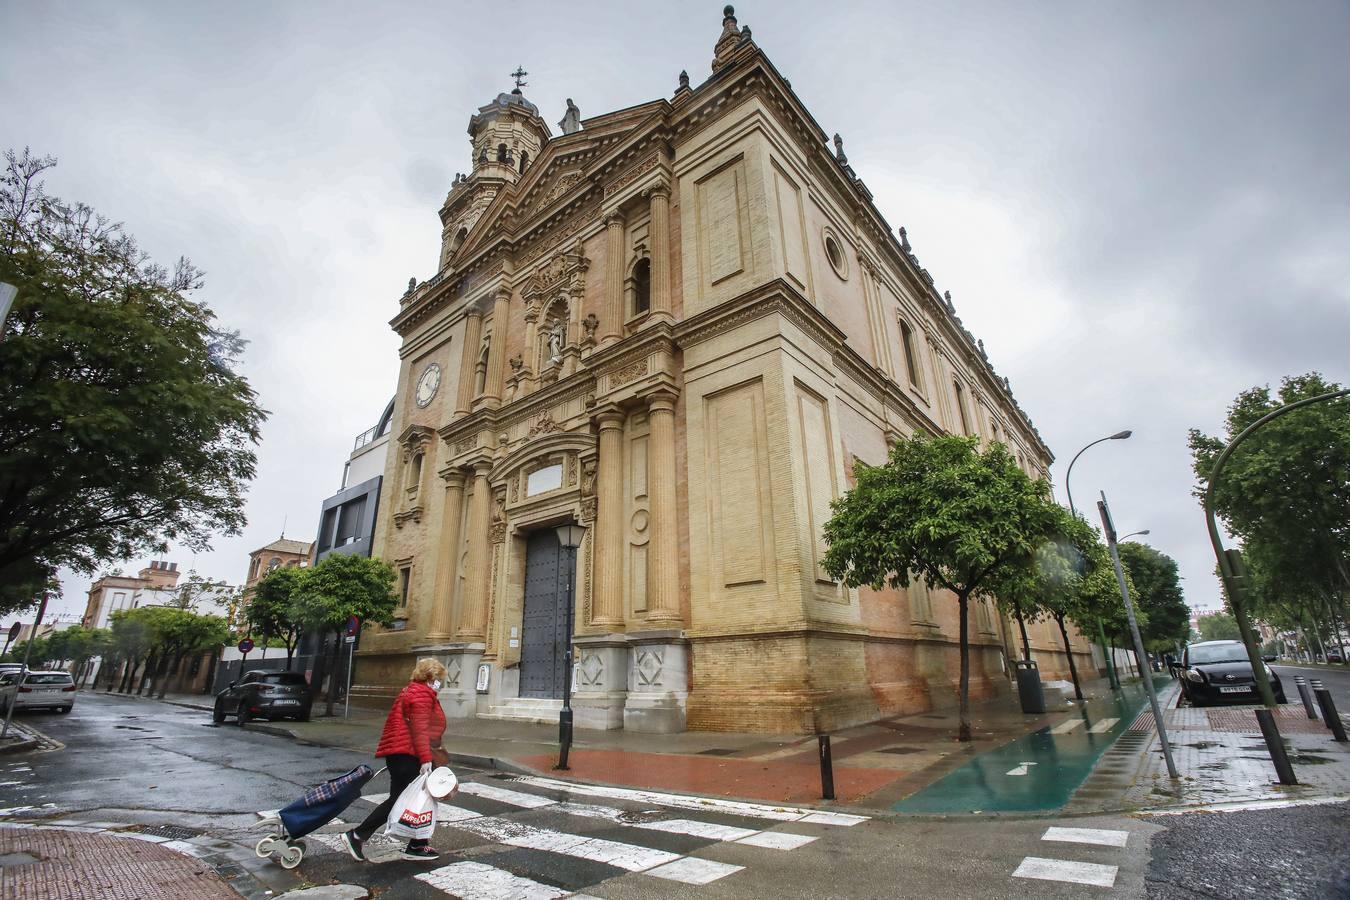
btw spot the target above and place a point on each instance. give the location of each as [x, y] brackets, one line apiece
[410, 745]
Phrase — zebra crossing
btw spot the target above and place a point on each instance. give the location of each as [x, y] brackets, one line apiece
[547, 839]
[1073, 871]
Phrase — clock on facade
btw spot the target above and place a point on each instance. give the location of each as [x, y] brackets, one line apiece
[427, 385]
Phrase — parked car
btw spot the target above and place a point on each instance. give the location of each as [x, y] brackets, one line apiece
[49, 689]
[1220, 672]
[1334, 656]
[265, 695]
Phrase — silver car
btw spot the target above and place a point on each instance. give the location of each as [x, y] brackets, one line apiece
[52, 689]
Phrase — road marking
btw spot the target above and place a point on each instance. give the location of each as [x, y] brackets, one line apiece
[692, 870]
[375, 799]
[698, 829]
[1066, 870]
[502, 795]
[1103, 726]
[1099, 836]
[1241, 805]
[515, 834]
[732, 807]
[1022, 769]
[777, 840]
[448, 812]
[1066, 727]
[478, 881]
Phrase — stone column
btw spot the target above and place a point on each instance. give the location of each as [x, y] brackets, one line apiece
[442, 613]
[660, 237]
[663, 574]
[531, 355]
[608, 611]
[496, 363]
[473, 336]
[611, 327]
[473, 611]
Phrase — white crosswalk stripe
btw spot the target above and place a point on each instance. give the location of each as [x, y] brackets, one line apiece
[634, 810]
[1102, 837]
[1103, 726]
[1067, 870]
[733, 807]
[1066, 727]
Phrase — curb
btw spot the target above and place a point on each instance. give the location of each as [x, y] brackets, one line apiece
[472, 760]
[36, 739]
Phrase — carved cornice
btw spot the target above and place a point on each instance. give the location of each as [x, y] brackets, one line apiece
[631, 174]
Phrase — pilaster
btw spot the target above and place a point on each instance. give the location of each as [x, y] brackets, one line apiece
[612, 323]
[609, 611]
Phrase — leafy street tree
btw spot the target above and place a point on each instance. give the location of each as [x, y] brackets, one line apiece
[341, 586]
[1157, 591]
[1285, 494]
[101, 344]
[270, 611]
[940, 509]
[131, 642]
[1218, 626]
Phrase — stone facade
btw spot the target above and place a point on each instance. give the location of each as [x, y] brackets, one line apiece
[678, 326]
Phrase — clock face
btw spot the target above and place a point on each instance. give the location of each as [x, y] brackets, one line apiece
[427, 385]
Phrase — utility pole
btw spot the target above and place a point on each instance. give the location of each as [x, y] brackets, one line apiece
[28, 650]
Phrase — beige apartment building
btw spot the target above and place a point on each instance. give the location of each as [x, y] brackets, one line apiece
[677, 324]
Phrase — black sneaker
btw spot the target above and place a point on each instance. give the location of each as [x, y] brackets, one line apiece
[421, 852]
[354, 845]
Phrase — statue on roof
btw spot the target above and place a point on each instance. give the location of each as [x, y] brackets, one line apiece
[571, 120]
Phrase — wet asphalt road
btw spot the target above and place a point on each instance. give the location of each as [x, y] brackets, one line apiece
[1335, 680]
[1301, 853]
[143, 762]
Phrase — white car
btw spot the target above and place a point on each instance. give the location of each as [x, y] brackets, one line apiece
[52, 689]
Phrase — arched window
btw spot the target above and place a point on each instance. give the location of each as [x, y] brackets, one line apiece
[458, 239]
[642, 286]
[480, 369]
[501, 153]
[524, 160]
[961, 407]
[415, 474]
[911, 361]
[276, 561]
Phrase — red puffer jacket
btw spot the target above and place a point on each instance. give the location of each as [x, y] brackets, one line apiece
[416, 722]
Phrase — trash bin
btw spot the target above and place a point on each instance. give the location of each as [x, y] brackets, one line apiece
[1029, 687]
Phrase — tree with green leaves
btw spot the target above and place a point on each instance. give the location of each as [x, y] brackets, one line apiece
[940, 509]
[1285, 494]
[271, 609]
[340, 586]
[1218, 626]
[131, 642]
[124, 423]
[1157, 592]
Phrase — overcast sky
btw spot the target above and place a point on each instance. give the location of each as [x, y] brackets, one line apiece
[1142, 208]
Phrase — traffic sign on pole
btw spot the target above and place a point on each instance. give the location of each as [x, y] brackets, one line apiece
[245, 645]
[353, 625]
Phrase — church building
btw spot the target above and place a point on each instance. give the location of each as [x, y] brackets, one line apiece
[677, 325]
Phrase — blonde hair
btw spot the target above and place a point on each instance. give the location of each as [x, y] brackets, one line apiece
[428, 669]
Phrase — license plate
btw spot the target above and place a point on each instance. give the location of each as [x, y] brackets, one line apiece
[1236, 689]
[285, 702]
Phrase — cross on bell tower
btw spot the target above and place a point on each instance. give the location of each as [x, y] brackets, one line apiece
[519, 75]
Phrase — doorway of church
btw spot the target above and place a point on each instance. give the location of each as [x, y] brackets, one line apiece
[543, 645]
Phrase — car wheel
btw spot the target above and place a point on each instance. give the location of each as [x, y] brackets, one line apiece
[243, 713]
[303, 717]
[218, 713]
[66, 709]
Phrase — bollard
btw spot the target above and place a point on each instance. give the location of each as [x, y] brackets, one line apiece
[1266, 719]
[1305, 693]
[826, 768]
[1329, 715]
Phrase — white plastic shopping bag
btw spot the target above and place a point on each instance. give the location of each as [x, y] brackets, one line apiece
[414, 813]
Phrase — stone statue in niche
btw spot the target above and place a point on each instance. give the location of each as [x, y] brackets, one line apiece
[588, 473]
[589, 324]
[499, 506]
[557, 337]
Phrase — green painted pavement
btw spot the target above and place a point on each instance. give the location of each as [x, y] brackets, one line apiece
[1036, 773]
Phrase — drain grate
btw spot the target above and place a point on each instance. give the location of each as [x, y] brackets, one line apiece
[716, 751]
[901, 751]
[172, 832]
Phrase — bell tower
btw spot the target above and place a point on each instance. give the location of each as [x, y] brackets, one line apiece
[506, 136]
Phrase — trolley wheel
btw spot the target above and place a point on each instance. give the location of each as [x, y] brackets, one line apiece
[291, 856]
[264, 848]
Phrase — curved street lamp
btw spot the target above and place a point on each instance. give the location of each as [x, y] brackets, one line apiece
[1121, 540]
[1111, 677]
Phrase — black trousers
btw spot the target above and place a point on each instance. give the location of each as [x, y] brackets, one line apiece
[403, 768]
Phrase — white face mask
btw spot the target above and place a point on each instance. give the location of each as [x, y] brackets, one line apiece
[436, 685]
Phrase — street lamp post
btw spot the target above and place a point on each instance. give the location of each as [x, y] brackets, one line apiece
[1111, 677]
[1122, 540]
[569, 536]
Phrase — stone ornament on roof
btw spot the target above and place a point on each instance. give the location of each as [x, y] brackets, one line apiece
[729, 40]
[571, 120]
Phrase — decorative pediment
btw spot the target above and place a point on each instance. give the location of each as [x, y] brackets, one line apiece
[566, 270]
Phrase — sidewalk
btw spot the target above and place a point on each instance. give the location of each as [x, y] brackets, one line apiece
[1221, 758]
[875, 766]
